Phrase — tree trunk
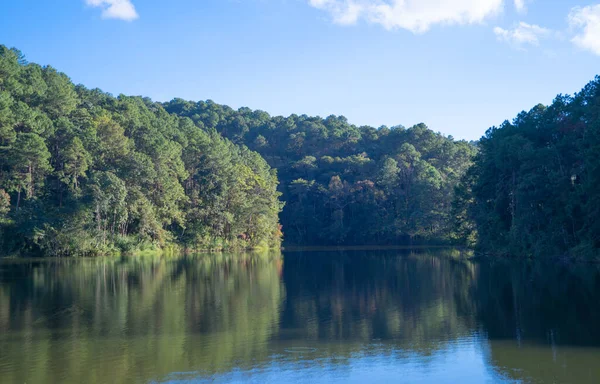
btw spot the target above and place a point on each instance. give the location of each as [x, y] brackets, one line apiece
[30, 187]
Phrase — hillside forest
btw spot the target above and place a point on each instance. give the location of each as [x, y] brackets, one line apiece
[85, 173]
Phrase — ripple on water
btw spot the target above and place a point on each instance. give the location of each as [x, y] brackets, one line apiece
[298, 350]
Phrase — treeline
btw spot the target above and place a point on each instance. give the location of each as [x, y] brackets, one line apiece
[534, 187]
[344, 184]
[83, 172]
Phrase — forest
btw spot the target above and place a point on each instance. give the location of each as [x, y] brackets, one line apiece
[344, 184]
[534, 187]
[84, 173]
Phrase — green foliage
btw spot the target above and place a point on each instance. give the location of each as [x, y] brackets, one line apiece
[28, 161]
[75, 163]
[85, 173]
[535, 181]
[344, 184]
[120, 173]
[4, 203]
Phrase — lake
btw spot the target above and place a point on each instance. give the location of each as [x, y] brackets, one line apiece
[303, 316]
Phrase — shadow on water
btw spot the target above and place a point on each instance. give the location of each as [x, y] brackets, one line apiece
[417, 314]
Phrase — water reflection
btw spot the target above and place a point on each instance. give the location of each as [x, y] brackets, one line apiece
[541, 320]
[356, 316]
[412, 298]
[134, 319]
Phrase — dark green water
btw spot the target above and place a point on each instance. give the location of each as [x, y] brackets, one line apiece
[408, 316]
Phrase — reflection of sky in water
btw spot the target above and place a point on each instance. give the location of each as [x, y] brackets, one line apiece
[462, 361]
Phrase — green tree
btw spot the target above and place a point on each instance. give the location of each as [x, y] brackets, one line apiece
[75, 163]
[30, 164]
[4, 203]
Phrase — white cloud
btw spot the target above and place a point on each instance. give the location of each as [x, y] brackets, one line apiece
[115, 9]
[586, 21]
[520, 6]
[416, 16]
[521, 35]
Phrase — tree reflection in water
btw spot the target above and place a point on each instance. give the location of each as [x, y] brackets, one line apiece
[141, 319]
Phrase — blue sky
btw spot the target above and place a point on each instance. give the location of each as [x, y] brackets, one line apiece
[460, 66]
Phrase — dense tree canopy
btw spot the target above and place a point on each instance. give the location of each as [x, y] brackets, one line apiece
[344, 184]
[83, 172]
[534, 187]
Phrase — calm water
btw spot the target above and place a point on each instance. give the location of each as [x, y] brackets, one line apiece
[414, 316]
